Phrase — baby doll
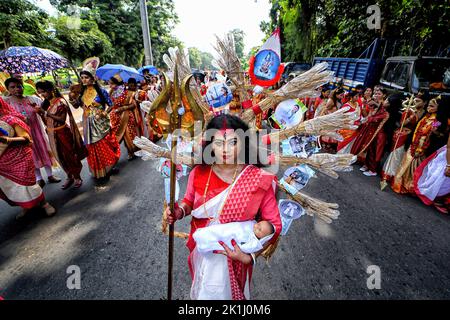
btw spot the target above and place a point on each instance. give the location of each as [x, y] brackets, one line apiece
[249, 235]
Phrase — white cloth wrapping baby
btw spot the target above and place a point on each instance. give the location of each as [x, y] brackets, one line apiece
[207, 239]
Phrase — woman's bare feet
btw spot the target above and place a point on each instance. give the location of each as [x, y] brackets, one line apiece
[22, 214]
[49, 209]
[78, 183]
[67, 184]
[53, 179]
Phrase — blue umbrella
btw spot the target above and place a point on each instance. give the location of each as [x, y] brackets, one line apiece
[108, 71]
[30, 59]
[151, 69]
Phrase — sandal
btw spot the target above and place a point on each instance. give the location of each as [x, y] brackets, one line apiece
[67, 184]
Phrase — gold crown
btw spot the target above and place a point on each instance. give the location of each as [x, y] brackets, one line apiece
[91, 65]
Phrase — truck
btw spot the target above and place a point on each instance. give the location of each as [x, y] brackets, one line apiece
[406, 74]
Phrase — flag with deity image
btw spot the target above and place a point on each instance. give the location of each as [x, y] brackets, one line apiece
[265, 67]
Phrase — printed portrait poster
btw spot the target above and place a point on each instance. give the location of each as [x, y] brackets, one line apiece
[218, 97]
[302, 146]
[288, 114]
[289, 211]
[265, 68]
[296, 178]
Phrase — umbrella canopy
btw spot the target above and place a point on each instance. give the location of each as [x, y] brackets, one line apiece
[30, 59]
[108, 71]
[151, 69]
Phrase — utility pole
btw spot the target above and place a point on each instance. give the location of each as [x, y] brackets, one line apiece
[146, 33]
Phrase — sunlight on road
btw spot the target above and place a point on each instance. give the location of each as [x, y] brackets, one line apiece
[44, 257]
[118, 203]
[323, 229]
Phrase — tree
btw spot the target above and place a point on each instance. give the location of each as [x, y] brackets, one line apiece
[239, 36]
[119, 20]
[195, 58]
[339, 28]
[207, 59]
[80, 43]
[200, 59]
[23, 24]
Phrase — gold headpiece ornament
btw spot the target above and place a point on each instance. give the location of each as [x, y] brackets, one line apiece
[436, 100]
[91, 65]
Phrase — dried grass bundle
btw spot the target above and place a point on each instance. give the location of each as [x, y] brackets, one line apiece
[315, 207]
[228, 59]
[177, 56]
[325, 125]
[151, 151]
[326, 163]
[302, 86]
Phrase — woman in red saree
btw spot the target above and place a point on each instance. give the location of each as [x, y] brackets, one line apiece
[65, 140]
[371, 140]
[432, 179]
[349, 135]
[435, 122]
[226, 188]
[332, 105]
[138, 96]
[401, 135]
[123, 118]
[18, 186]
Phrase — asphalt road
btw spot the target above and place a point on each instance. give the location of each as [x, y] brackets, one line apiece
[112, 234]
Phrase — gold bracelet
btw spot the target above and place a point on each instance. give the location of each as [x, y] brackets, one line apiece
[184, 212]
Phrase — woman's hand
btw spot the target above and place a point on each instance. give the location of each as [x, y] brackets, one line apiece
[37, 109]
[171, 217]
[447, 172]
[236, 255]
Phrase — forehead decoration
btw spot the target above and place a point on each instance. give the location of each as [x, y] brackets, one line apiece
[224, 130]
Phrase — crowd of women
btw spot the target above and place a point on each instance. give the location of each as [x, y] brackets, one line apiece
[40, 132]
[397, 138]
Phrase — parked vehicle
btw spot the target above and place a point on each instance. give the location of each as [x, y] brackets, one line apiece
[407, 74]
[293, 69]
[411, 74]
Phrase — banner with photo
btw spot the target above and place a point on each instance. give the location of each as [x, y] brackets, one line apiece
[265, 67]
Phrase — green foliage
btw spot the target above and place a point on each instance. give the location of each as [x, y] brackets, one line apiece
[200, 60]
[195, 58]
[22, 24]
[78, 44]
[119, 21]
[339, 28]
[239, 36]
[207, 59]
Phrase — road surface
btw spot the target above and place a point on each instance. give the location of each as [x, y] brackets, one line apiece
[113, 235]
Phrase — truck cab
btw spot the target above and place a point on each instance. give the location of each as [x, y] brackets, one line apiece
[412, 74]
